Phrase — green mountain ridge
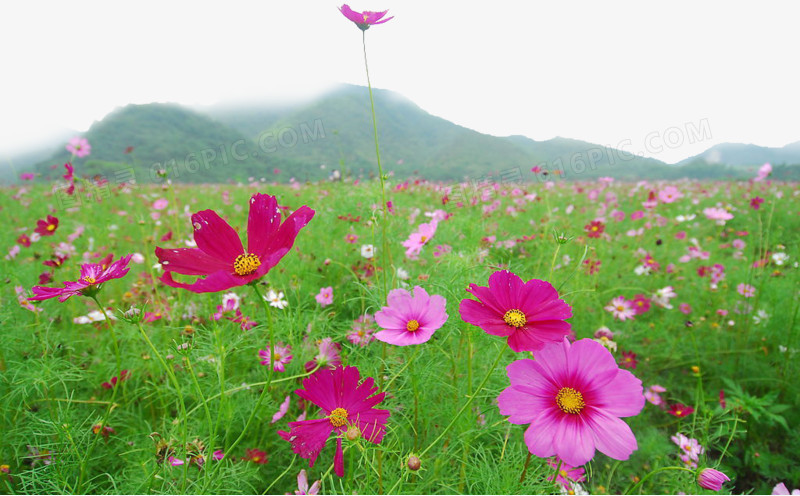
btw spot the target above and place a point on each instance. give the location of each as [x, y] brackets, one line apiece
[308, 140]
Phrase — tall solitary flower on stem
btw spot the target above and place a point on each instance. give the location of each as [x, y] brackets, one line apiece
[364, 19]
[529, 313]
[573, 397]
[345, 402]
[220, 255]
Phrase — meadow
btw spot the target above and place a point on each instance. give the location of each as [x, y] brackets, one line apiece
[134, 386]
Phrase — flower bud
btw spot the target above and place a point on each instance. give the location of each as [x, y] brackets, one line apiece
[711, 479]
[353, 433]
[414, 463]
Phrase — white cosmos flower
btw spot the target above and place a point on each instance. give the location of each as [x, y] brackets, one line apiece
[367, 251]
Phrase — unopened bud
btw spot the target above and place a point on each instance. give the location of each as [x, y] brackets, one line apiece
[414, 463]
[353, 433]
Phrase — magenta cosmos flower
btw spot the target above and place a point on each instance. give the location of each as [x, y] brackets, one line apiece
[530, 313]
[92, 276]
[364, 19]
[572, 396]
[346, 402]
[220, 255]
[46, 227]
[410, 319]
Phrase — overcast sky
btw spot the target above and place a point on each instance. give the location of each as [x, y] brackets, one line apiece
[606, 72]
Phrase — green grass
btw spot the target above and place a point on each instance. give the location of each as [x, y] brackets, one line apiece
[51, 369]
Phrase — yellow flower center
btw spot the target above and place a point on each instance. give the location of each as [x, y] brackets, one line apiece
[412, 325]
[594, 228]
[423, 239]
[515, 318]
[244, 265]
[51, 227]
[570, 400]
[89, 280]
[338, 417]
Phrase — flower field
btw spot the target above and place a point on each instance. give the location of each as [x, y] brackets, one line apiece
[530, 337]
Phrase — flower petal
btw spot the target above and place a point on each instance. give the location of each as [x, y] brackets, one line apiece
[190, 261]
[216, 237]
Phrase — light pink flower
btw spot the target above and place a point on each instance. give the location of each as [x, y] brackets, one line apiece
[79, 147]
[325, 296]
[410, 319]
[746, 290]
[281, 355]
[573, 397]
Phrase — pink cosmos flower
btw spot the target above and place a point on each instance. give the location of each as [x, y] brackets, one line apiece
[419, 238]
[79, 147]
[69, 176]
[160, 204]
[573, 397]
[685, 308]
[640, 303]
[325, 296]
[755, 202]
[46, 227]
[364, 19]
[345, 401]
[529, 313]
[763, 172]
[255, 455]
[327, 356]
[282, 409]
[92, 276]
[621, 308]
[302, 484]
[746, 290]
[410, 319]
[711, 479]
[566, 473]
[718, 214]
[691, 447]
[220, 255]
[781, 489]
[651, 394]
[281, 355]
[363, 329]
[669, 194]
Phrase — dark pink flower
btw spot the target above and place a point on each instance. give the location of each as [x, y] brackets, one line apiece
[92, 276]
[680, 410]
[345, 401]
[573, 397]
[529, 313]
[220, 255]
[27, 176]
[256, 456]
[410, 319]
[47, 227]
[364, 19]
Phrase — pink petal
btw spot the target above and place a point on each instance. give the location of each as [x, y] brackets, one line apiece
[263, 222]
[190, 261]
[484, 317]
[282, 241]
[338, 458]
[216, 237]
[612, 435]
[622, 397]
[218, 281]
[573, 440]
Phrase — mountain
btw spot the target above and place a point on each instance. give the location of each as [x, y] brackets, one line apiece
[739, 154]
[307, 140]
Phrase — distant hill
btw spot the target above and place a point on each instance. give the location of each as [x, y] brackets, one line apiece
[739, 154]
[307, 140]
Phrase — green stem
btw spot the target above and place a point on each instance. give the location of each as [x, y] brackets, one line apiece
[466, 405]
[257, 408]
[385, 250]
[171, 374]
[662, 469]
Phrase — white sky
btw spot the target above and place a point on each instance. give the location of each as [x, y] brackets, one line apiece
[604, 72]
